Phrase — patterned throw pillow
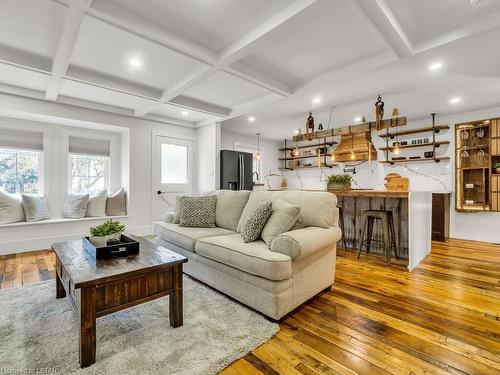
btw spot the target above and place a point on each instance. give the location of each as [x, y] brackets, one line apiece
[252, 228]
[198, 212]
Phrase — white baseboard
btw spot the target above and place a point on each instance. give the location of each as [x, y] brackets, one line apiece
[44, 242]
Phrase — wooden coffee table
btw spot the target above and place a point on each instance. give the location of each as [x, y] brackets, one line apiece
[100, 287]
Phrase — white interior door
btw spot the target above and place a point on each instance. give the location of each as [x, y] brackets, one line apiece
[173, 172]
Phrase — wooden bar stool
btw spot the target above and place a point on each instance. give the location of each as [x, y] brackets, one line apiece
[388, 232]
[341, 225]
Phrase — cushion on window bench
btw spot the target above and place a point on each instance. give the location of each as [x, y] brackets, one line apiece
[11, 209]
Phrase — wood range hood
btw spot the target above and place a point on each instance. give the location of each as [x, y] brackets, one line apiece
[356, 146]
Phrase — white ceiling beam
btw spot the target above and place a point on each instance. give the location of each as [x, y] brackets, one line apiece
[201, 106]
[16, 57]
[386, 25]
[252, 104]
[236, 50]
[69, 32]
[252, 75]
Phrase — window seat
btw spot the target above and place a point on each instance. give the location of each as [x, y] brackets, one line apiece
[60, 220]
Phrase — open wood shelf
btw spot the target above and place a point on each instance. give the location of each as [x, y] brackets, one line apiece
[309, 167]
[437, 129]
[481, 147]
[307, 146]
[304, 157]
[437, 144]
[406, 161]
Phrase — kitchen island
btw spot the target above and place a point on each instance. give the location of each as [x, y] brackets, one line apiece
[412, 213]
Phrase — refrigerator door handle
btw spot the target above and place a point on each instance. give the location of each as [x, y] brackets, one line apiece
[242, 173]
[239, 172]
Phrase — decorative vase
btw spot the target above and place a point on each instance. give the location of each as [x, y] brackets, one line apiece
[339, 187]
[102, 241]
[497, 170]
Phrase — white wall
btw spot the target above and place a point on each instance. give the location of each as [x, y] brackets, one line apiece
[426, 176]
[136, 137]
[207, 157]
[269, 151]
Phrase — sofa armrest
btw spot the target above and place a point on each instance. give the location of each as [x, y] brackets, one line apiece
[303, 242]
[168, 217]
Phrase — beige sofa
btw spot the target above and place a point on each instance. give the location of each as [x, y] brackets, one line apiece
[274, 281]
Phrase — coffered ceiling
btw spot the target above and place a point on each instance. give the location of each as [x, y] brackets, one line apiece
[195, 61]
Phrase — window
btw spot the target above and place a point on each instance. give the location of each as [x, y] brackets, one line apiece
[19, 171]
[89, 173]
[174, 164]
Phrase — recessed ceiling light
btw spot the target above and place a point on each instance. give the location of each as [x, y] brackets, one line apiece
[357, 119]
[251, 118]
[135, 62]
[436, 66]
[185, 113]
[317, 100]
[455, 100]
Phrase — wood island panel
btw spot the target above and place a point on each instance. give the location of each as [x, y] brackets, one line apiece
[371, 193]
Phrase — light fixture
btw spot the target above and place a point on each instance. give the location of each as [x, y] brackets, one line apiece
[352, 145]
[397, 150]
[185, 113]
[357, 119]
[332, 156]
[476, 2]
[455, 100]
[296, 131]
[251, 118]
[317, 100]
[436, 66]
[135, 62]
[258, 146]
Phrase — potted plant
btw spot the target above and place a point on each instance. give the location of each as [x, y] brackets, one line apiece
[109, 230]
[497, 167]
[339, 182]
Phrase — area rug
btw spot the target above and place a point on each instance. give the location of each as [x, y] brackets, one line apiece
[37, 331]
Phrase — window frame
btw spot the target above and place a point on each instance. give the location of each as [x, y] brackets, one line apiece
[40, 153]
[107, 173]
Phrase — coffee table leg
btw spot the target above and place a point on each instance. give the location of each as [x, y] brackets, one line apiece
[60, 292]
[175, 299]
[87, 326]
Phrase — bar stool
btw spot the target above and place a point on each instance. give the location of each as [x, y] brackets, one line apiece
[388, 232]
[341, 225]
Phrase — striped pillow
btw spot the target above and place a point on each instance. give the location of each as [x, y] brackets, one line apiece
[35, 207]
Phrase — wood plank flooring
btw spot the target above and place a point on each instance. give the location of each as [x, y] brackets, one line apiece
[443, 318]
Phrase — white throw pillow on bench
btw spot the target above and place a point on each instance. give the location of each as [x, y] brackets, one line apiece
[35, 207]
[75, 206]
[97, 204]
[116, 204]
[11, 209]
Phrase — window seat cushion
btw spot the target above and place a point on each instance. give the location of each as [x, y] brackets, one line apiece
[60, 220]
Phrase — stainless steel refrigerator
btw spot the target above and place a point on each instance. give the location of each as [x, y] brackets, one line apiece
[236, 170]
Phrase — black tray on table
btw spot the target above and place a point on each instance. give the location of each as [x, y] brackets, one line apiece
[127, 246]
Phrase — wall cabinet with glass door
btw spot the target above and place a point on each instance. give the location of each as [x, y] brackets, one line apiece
[477, 152]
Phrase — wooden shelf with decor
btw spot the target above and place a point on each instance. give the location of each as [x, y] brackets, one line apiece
[432, 144]
[477, 149]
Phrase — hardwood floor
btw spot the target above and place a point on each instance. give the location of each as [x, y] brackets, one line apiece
[443, 318]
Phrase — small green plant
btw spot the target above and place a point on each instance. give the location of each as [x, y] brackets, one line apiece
[107, 228]
[496, 165]
[339, 179]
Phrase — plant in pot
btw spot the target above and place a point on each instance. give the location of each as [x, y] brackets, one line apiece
[109, 230]
[339, 182]
[497, 167]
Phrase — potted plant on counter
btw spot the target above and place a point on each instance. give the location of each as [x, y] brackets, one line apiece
[339, 182]
[109, 230]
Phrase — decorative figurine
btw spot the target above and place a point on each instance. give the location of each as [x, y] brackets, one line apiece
[363, 119]
[379, 112]
[320, 127]
[310, 127]
[395, 113]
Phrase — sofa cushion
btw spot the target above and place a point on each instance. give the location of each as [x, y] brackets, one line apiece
[178, 208]
[317, 208]
[198, 212]
[282, 219]
[253, 257]
[230, 205]
[252, 228]
[184, 236]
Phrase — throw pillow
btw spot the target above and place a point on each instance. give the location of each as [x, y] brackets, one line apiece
[252, 228]
[116, 204]
[35, 207]
[282, 219]
[97, 204]
[75, 206]
[179, 200]
[11, 209]
[198, 212]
